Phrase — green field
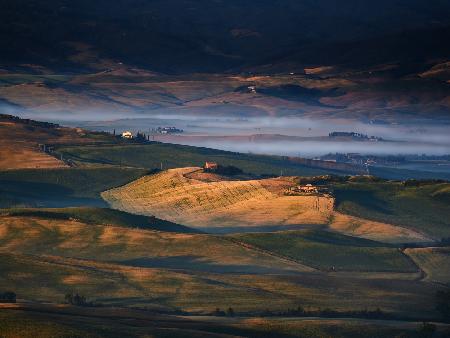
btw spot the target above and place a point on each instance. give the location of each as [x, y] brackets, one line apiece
[61, 187]
[151, 156]
[424, 208]
[326, 251]
[435, 262]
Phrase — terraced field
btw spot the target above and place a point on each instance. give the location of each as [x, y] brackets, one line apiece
[435, 262]
[172, 196]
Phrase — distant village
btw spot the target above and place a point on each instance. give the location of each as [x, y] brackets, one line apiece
[367, 160]
[358, 136]
[160, 130]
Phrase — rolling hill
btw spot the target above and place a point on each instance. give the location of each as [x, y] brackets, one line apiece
[64, 187]
[99, 216]
[331, 252]
[140, 268]
[173, 196]
[433, 261]
[421, 207]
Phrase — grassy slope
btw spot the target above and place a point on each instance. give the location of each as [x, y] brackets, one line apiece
[113, 284]
[61, 187]
[195, 272]
[99, 216]
[422, 208]
[434, 261]
[404, 174]
[176, 156]
[325, 250]
[134, 247]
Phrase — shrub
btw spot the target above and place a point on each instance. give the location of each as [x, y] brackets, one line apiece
[77, 300]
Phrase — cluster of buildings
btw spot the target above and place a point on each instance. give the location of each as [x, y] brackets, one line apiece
[354, 135]
[353, 158]
[168, 130]
[307, 189]
[160, 130]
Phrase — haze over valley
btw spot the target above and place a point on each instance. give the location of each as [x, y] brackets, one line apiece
[199, 168]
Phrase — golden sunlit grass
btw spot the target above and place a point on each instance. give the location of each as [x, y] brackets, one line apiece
[378, 231]
[171, 195]
[25, 156]
[70, 238]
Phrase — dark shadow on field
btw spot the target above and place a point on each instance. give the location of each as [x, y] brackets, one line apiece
[36, 194]
[198, 263]
[252, 229]
[363, 198]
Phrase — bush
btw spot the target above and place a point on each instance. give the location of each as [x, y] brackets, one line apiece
[77, 300]
[228, 170]
[230, 312]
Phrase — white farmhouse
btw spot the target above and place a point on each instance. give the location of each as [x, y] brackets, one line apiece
[127, 134]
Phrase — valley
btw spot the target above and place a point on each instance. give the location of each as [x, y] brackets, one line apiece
[181, 242]
[224, 169]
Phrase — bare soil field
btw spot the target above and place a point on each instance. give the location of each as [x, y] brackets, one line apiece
[21, 155]
[171, 195]
[19, 144]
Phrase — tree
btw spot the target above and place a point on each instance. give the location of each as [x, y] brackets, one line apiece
[77, 300]
[230, 312]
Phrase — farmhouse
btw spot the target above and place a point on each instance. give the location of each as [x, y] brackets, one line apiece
[303, 189]
[210, 166]
[308, 188]
[127, 134]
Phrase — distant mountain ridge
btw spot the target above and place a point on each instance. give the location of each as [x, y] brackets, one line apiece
[182, 36]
